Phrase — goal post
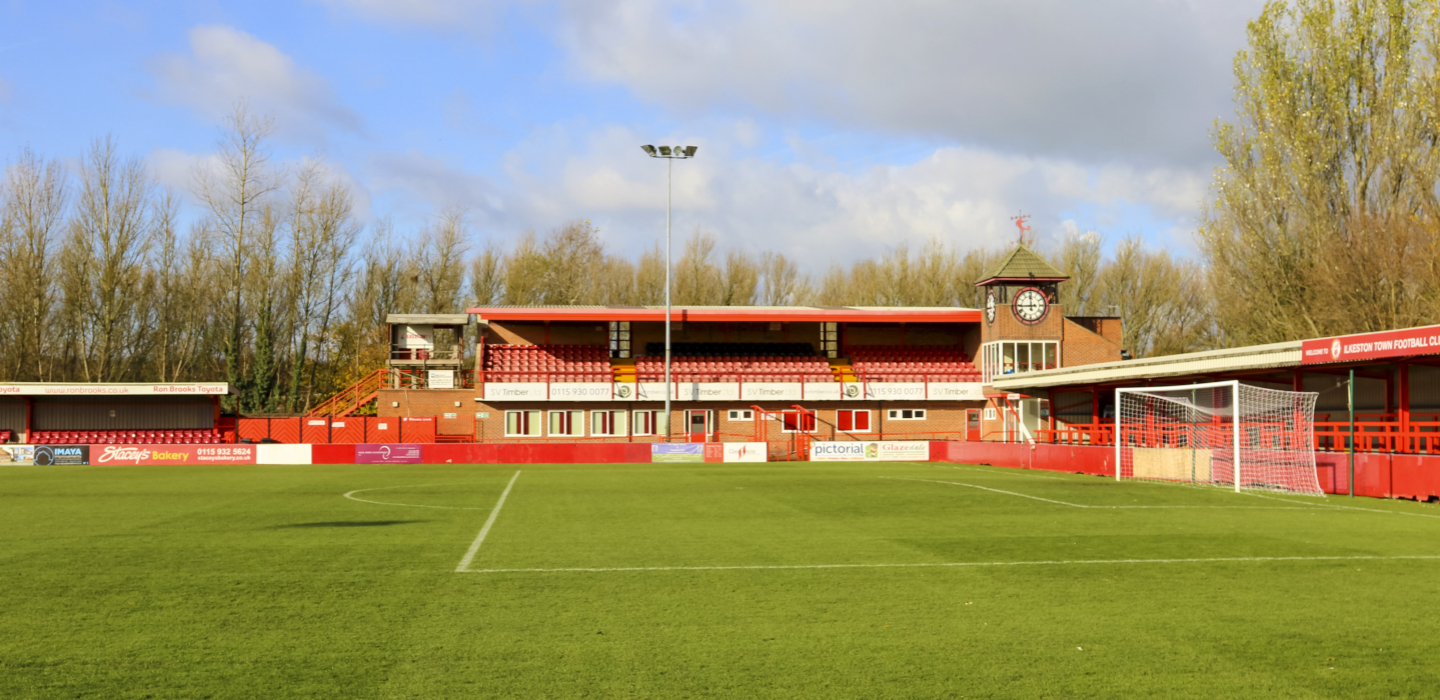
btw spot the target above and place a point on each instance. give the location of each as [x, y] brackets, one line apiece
[1225, 434]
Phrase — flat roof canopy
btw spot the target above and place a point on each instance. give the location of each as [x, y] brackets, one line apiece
[429, 319]
[48, 389]
[877, 314]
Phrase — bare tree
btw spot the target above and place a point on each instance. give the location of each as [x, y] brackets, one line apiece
[36, 195]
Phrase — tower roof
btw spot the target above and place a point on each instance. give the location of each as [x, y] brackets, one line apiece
[1022, 264]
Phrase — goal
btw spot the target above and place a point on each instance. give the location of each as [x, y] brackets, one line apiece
[1223, 434]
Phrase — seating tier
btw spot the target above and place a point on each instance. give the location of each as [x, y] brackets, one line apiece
[555, 363]
[126, 437]
[903, 363]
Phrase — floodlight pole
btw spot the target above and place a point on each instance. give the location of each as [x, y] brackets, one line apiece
[670, 154]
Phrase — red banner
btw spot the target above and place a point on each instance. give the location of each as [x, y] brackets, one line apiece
[172, 454]
[1372, 346]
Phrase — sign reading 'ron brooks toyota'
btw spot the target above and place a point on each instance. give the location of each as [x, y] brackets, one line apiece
[1371, 346]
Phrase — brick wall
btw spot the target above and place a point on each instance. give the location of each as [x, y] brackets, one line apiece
[723, 332]
[551, 333]
[421, 403]
[1008, 327]
[1083, 347]
[944, 420]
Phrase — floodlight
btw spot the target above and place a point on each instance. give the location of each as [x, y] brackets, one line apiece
[664, 150]
[648, 149]
[690, 151]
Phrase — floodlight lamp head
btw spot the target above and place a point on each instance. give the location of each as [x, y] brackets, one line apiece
[650, 150]
[690, 151]
[665, 150]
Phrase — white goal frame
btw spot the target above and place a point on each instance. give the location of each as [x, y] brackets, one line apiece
[1234, 385]
[1243, 461]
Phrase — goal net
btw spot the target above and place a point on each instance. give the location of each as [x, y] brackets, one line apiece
[1224, 434]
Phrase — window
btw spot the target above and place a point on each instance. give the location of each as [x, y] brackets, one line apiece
[989, 413]
[852, 421]
[796, 422]
[830, 339]
[742, 415]
[906, 414]
[567, 423]
[647, 422]
[522, 424]
[1011, 357]
[610, 423]
[619, 338]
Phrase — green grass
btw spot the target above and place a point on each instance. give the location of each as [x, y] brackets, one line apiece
[264, 582]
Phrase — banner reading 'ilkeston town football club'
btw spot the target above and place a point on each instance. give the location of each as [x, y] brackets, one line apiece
[1372, 346]
[887, 451]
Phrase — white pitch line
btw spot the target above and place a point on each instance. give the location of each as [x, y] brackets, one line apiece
[1078, 505]
[1332, 505]
[350, 495]
[480, 539]
[1072, 562]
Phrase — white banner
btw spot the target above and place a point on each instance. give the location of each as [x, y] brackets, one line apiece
[440, 379]
[957, 391]
[895, 391]
[581, 391]
[745, 451]
[417, 337]
[770, 391]
[515, 391]
[207, 389]
[710, 391]
[282, 454]
[821, 391]
[889, 451]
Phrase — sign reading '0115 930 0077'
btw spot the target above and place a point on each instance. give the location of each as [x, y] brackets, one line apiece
[1372, 346]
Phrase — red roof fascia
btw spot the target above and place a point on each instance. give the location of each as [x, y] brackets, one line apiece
[738, 313]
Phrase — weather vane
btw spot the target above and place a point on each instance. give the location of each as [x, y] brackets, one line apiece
[1020, 220]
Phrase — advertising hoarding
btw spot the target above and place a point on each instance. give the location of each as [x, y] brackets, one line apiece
[677, 452]
[886, 451]
[172, 454]
[387, 454]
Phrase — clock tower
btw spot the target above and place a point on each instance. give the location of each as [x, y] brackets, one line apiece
[1022, 326]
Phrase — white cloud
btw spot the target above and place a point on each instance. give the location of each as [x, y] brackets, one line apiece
[434, 181]
[226, 65]
[964, 196]
[1138, 78]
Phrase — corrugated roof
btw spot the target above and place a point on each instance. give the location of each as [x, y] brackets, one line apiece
[948, 314]
[430, 319]
[1022, 263]
[1272, 356]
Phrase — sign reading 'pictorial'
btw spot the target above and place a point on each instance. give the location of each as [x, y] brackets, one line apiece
[1372, 346]
[888, 451]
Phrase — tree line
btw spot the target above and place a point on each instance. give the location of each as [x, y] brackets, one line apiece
[1323, 221]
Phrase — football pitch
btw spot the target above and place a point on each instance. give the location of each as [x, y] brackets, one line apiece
[703, 581]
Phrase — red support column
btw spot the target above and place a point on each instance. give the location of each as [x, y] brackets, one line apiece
[1405, 444]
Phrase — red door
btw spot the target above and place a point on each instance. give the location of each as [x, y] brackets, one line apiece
[697, 426]
[972, 425]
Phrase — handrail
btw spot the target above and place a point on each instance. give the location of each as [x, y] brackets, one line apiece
[351, 397]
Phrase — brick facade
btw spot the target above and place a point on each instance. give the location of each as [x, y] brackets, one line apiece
[945, 420]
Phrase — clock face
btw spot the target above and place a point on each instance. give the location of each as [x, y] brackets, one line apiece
[1030, 306]
[990, 306]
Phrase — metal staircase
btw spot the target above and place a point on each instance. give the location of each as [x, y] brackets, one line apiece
[350, 399]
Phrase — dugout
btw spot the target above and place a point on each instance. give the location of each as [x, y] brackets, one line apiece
[35, 412]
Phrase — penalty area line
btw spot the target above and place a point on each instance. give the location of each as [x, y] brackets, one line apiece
[480, 538]
[1058, 562]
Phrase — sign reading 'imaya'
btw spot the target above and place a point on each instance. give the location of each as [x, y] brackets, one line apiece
[1372, 346]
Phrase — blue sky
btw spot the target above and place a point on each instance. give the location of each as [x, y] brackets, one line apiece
[827, 130]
